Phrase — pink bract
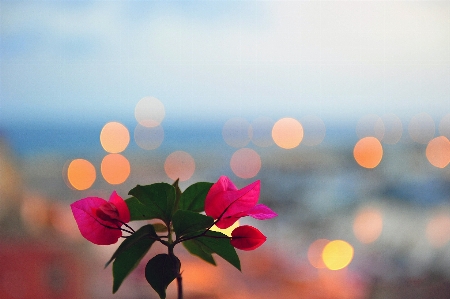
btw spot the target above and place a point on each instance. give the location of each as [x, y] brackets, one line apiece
[98, 220]
[227, 203]
[247, 237]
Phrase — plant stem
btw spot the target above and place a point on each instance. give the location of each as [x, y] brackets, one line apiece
[180, 286]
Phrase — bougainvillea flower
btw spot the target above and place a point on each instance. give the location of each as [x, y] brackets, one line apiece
[98, 220]
[247, 237]
[227, 204]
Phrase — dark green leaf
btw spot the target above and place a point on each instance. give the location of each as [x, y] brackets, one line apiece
[138, 211]
[160, 271]
[195, 248]
[187, 222]
[216, 242]
[130, 256]
[146, 231]
[193, 198]
[158, 199]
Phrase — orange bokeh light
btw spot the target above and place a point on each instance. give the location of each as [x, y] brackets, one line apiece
[368, 152]
[315, 253]
[438, 230]
[368, 225]
[115, 169]
[438, 151]
[245, 163]
[114, 137]
[81, 174]
[179, 165]
[287, 133]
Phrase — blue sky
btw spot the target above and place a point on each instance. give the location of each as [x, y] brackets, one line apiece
[94, 60]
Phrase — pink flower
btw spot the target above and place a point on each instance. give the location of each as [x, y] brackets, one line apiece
[227, 204]
[247, 237]
[99, 221]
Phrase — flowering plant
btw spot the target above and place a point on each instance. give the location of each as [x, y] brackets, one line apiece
[104, 222]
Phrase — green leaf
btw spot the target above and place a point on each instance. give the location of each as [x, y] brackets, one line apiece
[138, 211]
[177, 195]
[216, 242]
[187, 222]
[158, 199]
[193, 198]
[146, 231]
[130, 253]
[195, 248]
[160, 271]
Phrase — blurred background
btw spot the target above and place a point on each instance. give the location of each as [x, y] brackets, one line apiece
[340, 108]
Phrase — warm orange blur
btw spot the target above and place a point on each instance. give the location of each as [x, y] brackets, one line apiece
[315, 253]
[438, 229]
[114, 137]
[115, 169]
[81, 174]
[368, 152]
[245, 163]
[438, 151]
[287, 133]
[179, 165]
[368, 225]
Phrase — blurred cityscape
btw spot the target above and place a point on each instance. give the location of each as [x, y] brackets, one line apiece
[390, 208]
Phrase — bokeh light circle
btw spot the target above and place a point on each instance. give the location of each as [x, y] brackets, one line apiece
[237, 132]
[368, 225]
[370, 125]
[368, 152]
[245, 163]
[314, 130]
[438, 151]
[114, 137]
[262, 131]
[444, 126]
[149, 112]
[337, 254]
[393, 128]
[148, 138]
[81, 174]
[315, 253]
[438, 229]
[287, 133]
[115, 169]
[179, 165]
[421, 128]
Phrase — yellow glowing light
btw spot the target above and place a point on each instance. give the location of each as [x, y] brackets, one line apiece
[368, 152]
[237, 132]
[81, 174]
[149, 112]
[262, 131]
[368, 225]
[315, 253]
[148, 138]
[245, 163]
[115, 169]
[114, 137]
[337, 254]
[179, 165]
[287, 133]
[314, 130]
[393, 128]
[438, 151]
[226, 231]
[421, 128]
[438, 230]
